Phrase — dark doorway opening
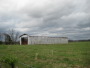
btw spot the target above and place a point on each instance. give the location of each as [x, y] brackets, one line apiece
[24, 40]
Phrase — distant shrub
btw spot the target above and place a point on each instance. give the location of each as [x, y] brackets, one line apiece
[10, 60]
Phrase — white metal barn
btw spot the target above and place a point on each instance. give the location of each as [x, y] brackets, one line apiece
[25, 39]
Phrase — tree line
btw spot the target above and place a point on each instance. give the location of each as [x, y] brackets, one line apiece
[11, 37]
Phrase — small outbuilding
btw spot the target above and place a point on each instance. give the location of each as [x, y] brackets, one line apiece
[4, 38]
[25, 39]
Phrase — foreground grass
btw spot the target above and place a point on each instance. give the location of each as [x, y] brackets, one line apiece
[72, 55]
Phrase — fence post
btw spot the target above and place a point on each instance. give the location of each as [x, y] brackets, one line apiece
[0, 66]
[52, 52]
[36, 56]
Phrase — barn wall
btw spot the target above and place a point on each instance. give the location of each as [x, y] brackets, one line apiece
[2, 37]
[46, 40]
[20, 41]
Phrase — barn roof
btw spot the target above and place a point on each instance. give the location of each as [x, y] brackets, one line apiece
[22, 35]
[41, 36]
[4, 34]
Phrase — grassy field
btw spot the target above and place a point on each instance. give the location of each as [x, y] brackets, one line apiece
[72, 55]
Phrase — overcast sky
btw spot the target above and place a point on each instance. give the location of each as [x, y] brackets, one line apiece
[64, 18]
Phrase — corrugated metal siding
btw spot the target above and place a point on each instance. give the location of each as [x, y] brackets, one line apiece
[46, 40]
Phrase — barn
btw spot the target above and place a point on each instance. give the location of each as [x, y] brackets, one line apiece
[4, 38]
[25, 39]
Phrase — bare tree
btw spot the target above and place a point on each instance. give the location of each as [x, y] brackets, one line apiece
[14, 35]
[4, 38]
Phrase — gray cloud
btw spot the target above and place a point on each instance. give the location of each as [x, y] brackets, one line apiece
[46, 17]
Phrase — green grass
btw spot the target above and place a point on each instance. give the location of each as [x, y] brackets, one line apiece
[72, 55]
